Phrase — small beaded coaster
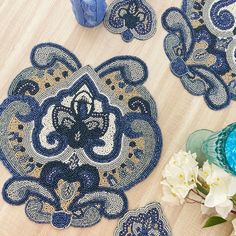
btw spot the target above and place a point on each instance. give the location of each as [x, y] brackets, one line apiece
[201, 46]
[149, 220]
[75, 138]
[131, 19]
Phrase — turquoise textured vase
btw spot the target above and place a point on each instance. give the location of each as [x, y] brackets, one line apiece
[220, 148]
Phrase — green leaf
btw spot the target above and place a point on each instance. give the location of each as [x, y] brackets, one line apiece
[201, 189]
[214, 220]
[234, 199]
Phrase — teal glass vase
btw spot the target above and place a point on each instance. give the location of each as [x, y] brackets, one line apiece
[218, 148]
[194, 144]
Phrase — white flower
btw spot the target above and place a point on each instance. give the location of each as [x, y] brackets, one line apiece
[207, 211]
[222, 187]
[170, 195]
[180, 176]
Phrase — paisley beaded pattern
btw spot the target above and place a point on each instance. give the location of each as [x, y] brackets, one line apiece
[131, 19]
[75, 138]
[201, 46]
[149, 221]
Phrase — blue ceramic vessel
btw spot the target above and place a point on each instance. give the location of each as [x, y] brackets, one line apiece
[89, 13]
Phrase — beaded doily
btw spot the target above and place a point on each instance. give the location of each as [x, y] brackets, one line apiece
[75, 138]
[147, 221]
[131, 19]
[201, 46]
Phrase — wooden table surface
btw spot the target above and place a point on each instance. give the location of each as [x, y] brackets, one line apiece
[25, 23]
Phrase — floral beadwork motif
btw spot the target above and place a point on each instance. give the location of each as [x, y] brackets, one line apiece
[201, 47]
[149, 221]
[76, 138]
[80, 119]
[131, 19]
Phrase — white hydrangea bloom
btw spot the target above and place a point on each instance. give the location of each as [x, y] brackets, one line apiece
[180, 176]
[222, 187]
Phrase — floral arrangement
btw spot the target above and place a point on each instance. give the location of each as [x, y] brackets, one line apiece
[184, 180]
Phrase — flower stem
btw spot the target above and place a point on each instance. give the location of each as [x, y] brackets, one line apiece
[197, 193]
[193, 200]
[233, 212]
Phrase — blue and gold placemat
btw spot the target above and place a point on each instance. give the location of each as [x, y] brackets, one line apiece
[132, 19]
[76, 138]
[201, 47]
[149, 220]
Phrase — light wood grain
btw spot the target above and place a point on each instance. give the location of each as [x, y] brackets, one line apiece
[24, 23]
